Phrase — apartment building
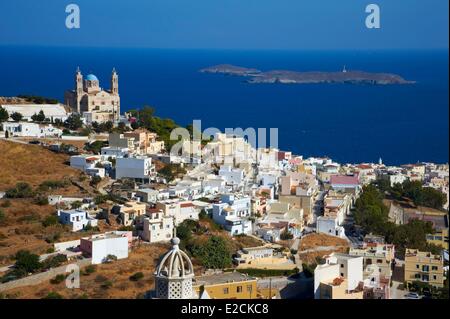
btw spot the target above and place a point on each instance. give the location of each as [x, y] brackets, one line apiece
[425, 267]
[226, 285]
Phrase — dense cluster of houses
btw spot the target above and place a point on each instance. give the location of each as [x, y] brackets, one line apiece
[264, 192]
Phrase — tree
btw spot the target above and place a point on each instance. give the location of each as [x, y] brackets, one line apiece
[75, 205]
[27, 261]
[95, 147]
[22, 190]
[4, 116]
[214, 254]
[16, 116]
[370, 212]
[95, 180]
[74, 122]
[106, 126]
[40, 117]
[285, 235]
[50, 220]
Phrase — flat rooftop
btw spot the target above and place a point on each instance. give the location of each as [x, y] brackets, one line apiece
[222, 278]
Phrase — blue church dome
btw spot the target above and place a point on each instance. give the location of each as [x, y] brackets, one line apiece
[91, 77]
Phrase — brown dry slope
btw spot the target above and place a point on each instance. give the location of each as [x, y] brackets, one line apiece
[32, 164]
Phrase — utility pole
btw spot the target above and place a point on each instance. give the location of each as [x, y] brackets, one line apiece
[270, 288]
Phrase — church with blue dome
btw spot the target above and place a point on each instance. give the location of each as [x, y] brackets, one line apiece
[91, 101]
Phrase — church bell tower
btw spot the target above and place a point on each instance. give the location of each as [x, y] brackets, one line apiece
[114, 82]
[78, 88]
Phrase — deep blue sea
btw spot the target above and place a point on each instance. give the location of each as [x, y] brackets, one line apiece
[349, 123]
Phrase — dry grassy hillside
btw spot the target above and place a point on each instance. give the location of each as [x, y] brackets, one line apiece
[32, 164]
[108, 281]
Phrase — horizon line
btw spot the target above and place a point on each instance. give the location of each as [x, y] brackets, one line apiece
[221, 49]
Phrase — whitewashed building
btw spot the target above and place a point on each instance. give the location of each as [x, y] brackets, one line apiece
[77, 219]
[99, 247]
[26, 129]
[233, 213]
[157, 227]
[138, 168]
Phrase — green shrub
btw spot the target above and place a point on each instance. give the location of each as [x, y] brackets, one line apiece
[137, 276]
[90, 269]
[6, 204]
[53, 295]
[21, 190]
[58, 279]
[54, 261]
[41, 200]
[107, 284]
[2, 216]
[50, 220]
[215, 254]
[27, 261]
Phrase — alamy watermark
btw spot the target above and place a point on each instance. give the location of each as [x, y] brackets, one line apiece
[235, 145]
[73, 19]
[373, 20]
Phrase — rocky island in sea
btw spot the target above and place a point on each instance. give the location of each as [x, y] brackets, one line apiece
[295, 77]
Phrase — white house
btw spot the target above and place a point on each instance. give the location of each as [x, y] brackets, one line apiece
[157, 227]
[88, 164]
[180, 210]
[76, 218]
[233, 213]
[26, 129]
[98, 247]
[139, 168]
[147, 195]
[232, 176]
[329, 226]
[114, 152]
[346, 267]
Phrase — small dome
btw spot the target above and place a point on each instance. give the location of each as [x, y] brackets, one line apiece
[91, 77]
[175, 263]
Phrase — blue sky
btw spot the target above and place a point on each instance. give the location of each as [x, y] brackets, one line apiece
[227, 24]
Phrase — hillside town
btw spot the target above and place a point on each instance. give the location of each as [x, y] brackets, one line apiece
[83, 184]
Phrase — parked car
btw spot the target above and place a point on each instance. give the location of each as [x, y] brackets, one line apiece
[34, 142]
[412, 295]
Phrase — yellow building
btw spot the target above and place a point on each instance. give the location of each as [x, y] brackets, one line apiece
[337, 289]
[381, 255]
[424, 267]
[439, 238]
[226, 285]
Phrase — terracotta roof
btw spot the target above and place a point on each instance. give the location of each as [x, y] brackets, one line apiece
[344, 179]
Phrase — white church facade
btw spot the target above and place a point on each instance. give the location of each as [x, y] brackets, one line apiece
[91, 101]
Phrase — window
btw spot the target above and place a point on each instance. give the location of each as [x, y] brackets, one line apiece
[434, 277]
[225, 291]
[342, 265]
[425, 268]
[417, 266]
[239, 289]
[379, 261]
[249, 288]
[434, 268]
[342, 274]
